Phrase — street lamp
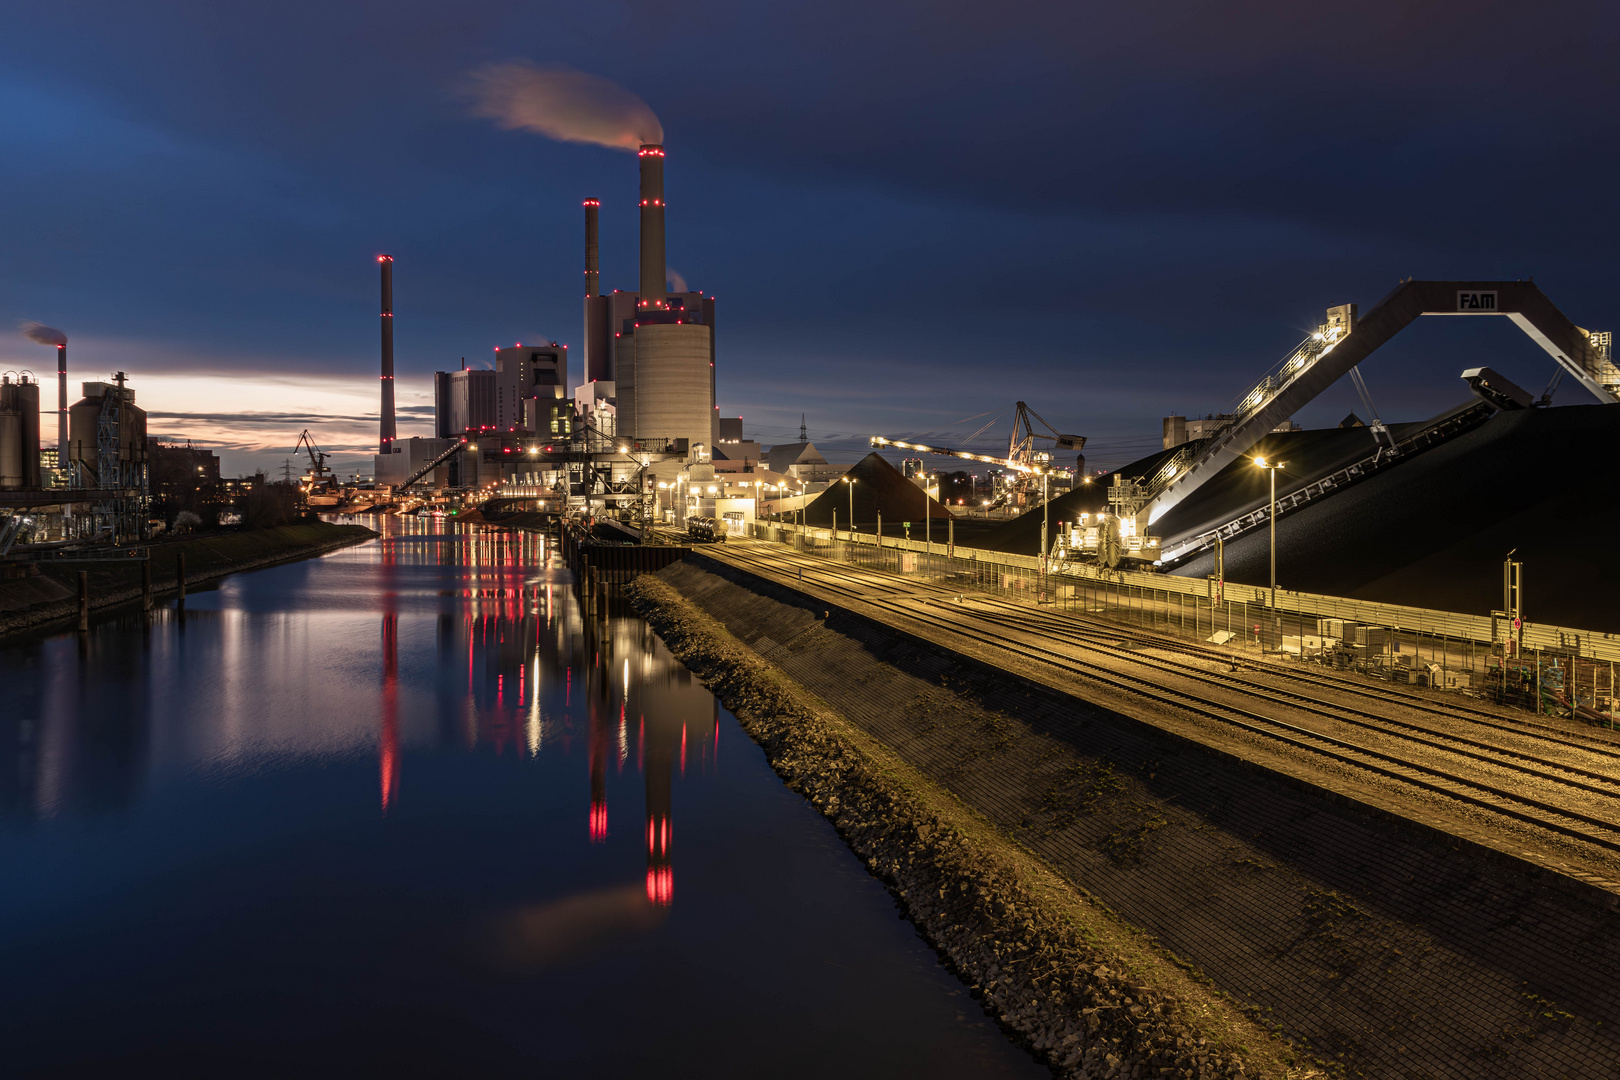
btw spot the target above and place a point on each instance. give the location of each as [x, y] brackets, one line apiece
[851, 482]
[1272, 467]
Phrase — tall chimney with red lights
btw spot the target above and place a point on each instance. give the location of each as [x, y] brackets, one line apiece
[593, 276]
[386, 434]
[61, 407]
[652, 226]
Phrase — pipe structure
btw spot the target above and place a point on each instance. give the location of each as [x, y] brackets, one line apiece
[593, 278]
[61, 407]
[386, 432]
[653, 268]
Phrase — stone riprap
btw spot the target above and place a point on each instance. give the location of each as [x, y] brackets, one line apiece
[1087, 993]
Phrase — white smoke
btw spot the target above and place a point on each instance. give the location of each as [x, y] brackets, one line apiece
[564, 104]
[674, 279]
[40, 334]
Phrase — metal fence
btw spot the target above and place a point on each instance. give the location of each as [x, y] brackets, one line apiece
[1550, 668]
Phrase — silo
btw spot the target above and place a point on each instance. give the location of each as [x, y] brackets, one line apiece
[11, 437]
[28, 395]
[672, 391]
[19, 433]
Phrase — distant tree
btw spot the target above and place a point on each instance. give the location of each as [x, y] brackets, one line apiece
[267, 505]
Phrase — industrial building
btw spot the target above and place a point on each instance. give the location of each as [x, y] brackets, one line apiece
[102, 490]
[463, 401]
[655, 346]
[641, 414]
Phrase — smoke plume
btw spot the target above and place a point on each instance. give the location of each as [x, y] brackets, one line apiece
[676, 282]
[564, 104]
[40, 334]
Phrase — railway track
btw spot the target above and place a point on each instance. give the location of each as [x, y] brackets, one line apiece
[1479, 765]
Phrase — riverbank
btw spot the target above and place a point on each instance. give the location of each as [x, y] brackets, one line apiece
[51, 594]
[1087, 992]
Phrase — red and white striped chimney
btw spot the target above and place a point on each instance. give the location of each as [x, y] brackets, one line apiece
[653, 268]
[386, 434]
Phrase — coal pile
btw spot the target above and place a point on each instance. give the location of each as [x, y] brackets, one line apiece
[1433, 531]
[880, 488]
[1235, 490]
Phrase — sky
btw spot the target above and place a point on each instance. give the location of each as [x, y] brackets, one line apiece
[913, 214]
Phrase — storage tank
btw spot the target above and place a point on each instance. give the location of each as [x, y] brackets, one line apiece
[672, 390]
[19, 433]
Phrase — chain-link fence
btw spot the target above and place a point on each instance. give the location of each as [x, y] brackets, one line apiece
[1567, 672]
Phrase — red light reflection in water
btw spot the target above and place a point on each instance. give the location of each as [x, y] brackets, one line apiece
[598, 765]
[388, 743]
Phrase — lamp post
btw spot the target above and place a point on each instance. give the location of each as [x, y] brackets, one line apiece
[851, 482]
[1044, 515]
[928, 521]
[1272, 467]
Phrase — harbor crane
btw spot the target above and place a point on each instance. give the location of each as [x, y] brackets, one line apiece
[319, 475]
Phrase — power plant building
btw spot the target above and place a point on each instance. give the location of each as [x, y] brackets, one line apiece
[463, 401]
[656, 347]
[525, 375]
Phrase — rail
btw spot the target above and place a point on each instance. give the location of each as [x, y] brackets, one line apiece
[1589, 644]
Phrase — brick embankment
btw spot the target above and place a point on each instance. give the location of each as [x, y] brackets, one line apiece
[1086, 992]
[28, 603]
[1384, 947]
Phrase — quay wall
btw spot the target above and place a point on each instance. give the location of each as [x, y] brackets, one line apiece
[1374, 946]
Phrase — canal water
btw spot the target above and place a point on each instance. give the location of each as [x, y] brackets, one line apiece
[403, 810]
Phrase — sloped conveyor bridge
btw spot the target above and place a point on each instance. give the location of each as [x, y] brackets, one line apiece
[1326, 357]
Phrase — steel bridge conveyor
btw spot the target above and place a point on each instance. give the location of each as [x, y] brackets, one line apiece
[1345, 341]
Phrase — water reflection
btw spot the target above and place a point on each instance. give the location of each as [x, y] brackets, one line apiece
[515, 668]
[378, 811]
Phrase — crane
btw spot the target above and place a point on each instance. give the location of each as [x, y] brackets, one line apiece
[319, 474]
[1021, 444]
[1007, 463]
[1023, 458]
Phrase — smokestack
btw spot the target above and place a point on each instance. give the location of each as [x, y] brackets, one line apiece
[386, 434]
[652, 225]
[593, 278]
[61, 407]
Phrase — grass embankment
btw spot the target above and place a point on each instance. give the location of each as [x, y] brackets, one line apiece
[1090, 994]
[52, 593]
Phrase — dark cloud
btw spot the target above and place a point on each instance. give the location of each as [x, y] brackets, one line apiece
[1112, 211]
